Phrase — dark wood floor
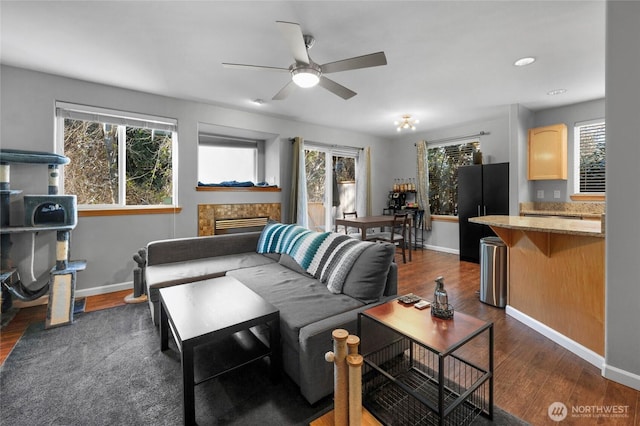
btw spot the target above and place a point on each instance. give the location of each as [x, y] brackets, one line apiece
[531, 372]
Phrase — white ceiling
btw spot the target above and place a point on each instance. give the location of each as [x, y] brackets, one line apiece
[449, 62]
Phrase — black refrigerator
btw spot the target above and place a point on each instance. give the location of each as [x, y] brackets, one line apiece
[482, 190]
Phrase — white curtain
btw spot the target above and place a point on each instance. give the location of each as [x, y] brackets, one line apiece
[423, 182]
[363, 183]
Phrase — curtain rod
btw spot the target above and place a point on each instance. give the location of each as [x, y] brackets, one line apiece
[455, 138]
[329, 145]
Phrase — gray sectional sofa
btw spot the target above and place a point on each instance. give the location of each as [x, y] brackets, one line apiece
[309, 312]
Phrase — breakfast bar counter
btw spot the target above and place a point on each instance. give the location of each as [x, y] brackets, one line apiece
[557, 225]
[556, 278]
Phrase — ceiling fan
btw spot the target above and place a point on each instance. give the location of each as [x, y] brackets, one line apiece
[306, 73]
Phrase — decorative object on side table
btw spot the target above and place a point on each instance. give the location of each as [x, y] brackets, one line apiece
[409, 299]
[440, 307]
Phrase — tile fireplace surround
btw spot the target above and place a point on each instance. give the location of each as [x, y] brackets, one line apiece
[208, 214]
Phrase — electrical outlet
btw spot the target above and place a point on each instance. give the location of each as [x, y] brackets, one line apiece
[540, 193]
[556, 193]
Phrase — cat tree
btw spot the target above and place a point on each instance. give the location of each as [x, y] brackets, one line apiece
[51, 212]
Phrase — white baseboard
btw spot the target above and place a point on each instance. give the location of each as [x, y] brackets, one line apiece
[128, 285]
[585, 353]
[441, 249]
[78, 294]
[621, 376]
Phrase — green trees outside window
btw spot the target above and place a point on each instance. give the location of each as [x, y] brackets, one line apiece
[443, 175]
[117, 164]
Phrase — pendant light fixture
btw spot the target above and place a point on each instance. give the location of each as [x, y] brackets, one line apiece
[406, 123]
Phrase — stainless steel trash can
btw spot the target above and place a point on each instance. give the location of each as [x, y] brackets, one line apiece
[493, 272]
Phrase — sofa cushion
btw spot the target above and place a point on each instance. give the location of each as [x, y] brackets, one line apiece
[279, 237]
[302, 300]
[290, 262]
[168, 274]
[327, 256]
[368, 276]
[190, 248]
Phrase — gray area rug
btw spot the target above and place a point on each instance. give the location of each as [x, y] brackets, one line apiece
[107, 369]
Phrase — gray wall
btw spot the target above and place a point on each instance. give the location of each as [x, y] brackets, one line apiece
[507, 142]
[568, 115]
[27, 111]
[107, 243]
[494, 146]
[622, 344]
[520, 120]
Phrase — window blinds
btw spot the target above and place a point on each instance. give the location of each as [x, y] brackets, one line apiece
[226, 141]
[592, 157]
[101, 115]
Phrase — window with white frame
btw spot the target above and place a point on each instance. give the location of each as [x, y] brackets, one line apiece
[118, 159]
[229, 159]
[590, 145]
[444, 161]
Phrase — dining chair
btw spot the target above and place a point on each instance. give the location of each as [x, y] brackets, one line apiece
[352, 232]
[397, 234]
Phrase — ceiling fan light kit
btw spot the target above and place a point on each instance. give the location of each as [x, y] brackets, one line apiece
[305, 73]
[305, 77]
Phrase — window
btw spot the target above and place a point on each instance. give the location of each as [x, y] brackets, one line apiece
[118, 159]
[444, 161]
[223, 159]
[590, 142]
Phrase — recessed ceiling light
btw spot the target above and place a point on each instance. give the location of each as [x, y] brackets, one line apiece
[522, 62]
[556, 92]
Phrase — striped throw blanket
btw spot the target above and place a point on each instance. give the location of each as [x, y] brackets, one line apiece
[327, 256]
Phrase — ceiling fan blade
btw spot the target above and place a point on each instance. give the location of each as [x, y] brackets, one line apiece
[336, 88]
[285, 91]
[294, 37]
[365, 61]
[253, 67]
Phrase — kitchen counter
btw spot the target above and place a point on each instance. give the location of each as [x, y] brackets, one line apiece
[556, 278]
[568, 215]
[590, 228]
[578, 210]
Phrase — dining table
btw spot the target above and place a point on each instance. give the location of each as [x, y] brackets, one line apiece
[366, 222]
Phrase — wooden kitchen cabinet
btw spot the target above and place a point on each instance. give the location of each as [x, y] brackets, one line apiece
[548, 152]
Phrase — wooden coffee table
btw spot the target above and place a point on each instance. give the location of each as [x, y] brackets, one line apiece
[215, 316]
